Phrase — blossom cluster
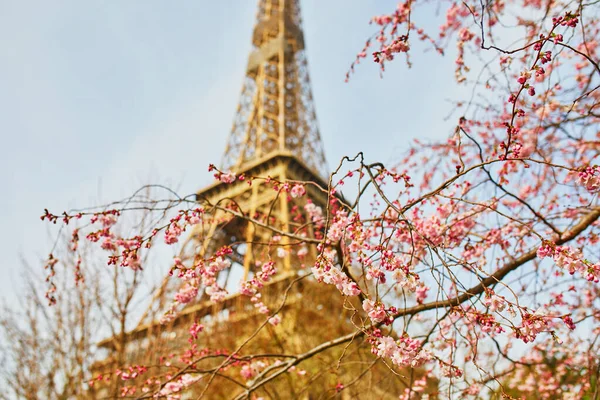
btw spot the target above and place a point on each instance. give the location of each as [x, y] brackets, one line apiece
[178, 224]
[404, 352]
[570, 259]
[251, 288]
[132, 372]
[252, 369]
[532, 325]
[589, 177]
[325, 271]
[315, 213]
[173, 390]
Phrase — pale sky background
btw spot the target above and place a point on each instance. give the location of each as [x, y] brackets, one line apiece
[100, 97]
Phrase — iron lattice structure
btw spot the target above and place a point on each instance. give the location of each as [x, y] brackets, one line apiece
[276, 113]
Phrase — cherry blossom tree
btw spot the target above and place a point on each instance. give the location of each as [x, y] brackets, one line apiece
[51, 352]
[467, 270]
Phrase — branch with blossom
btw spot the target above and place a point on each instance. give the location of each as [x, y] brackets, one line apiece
[468, 269]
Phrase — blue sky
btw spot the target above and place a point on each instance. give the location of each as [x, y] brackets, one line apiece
[101, 97]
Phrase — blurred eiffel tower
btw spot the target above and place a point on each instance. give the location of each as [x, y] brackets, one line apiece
[274, 134]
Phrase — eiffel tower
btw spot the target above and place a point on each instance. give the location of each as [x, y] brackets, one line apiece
[275, 135]
[276, 114]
